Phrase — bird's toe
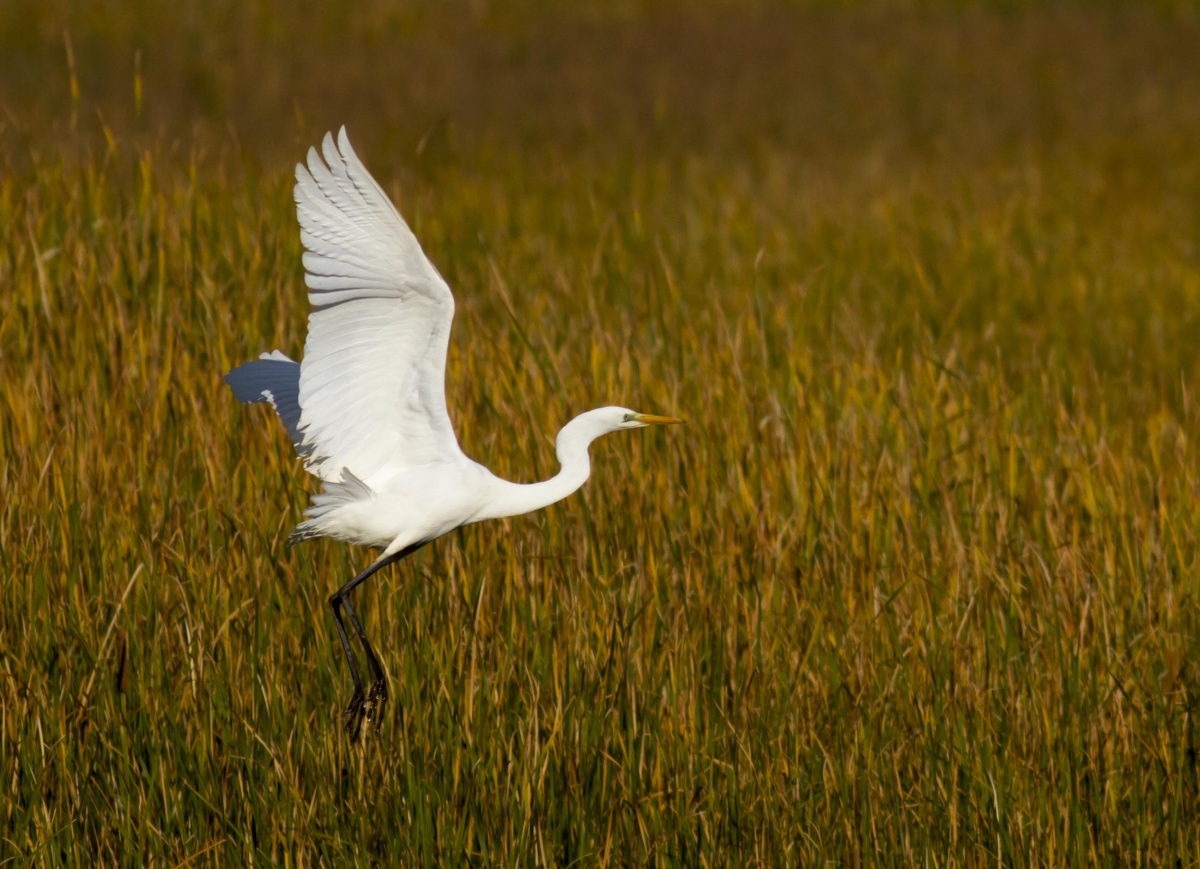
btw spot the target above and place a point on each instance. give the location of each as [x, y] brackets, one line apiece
[375, 701]
[354, 716]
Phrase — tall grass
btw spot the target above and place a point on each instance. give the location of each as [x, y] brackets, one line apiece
[918, 583]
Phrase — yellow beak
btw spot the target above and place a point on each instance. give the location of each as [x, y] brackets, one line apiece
[650, 419]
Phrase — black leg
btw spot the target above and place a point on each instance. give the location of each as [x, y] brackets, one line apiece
[357, 708]
[353, 714]
[378, 695]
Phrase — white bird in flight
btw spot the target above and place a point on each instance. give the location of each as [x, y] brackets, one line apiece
[366, 408]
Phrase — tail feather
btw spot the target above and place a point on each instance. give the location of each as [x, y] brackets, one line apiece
[273, 378]
[333, 495]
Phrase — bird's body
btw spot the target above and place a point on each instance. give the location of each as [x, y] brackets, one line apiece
[403, 508]
[366, 408]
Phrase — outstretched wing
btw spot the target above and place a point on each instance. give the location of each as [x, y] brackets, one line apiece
[372, 382]
[273, 378]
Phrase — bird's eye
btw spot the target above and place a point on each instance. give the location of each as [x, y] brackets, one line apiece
[629, 417]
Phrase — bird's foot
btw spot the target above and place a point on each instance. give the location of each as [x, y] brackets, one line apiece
[375, 702]
[354, 715]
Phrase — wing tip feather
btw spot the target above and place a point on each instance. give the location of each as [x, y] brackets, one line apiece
[330, 151]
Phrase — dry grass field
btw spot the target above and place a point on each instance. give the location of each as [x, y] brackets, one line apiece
[918, 584]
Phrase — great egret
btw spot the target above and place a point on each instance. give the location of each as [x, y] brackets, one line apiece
[366, 409]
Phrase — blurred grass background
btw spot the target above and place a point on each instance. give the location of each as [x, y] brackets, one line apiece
[918, 584]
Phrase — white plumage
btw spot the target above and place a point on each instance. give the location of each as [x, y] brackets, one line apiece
[366, 408]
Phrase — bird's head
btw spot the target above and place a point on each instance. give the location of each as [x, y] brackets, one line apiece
[586, 427]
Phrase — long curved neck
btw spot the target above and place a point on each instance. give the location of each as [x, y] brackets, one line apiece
[513, 499]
